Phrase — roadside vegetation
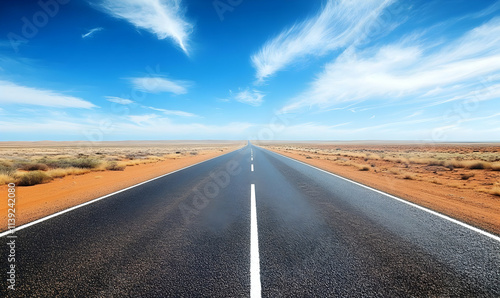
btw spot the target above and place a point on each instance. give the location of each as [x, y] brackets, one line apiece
[32, 172]
[460, 166]
[31, 166]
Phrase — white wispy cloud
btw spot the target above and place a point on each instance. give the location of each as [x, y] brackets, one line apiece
[487, 11]
[140, 119]
[164, 18]
[160, 85]
[340, 24]
[410, 68]
[119, 100]
[173, 112]
[92, 32]
[11, 93]
[250, 97]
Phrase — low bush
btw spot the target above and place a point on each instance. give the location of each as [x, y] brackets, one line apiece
[466, 176]
[364, 168]
[83, 163]
[33, 178]
[495, 166]
[477, 165]
[408, 176]
[436, 163]
[6, 179]
[6, 170]
[114, 166]
[34, 167]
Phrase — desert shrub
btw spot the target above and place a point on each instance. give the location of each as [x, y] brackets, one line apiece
[57, 173]
[466, 176]
[477, 165]
[409, 176]
[436, 163]
[76, 171]
[495, 166]
[364, 168]
[194, 153]
[33, 178]
[6, 170]
[34, 167]
[83, 163]
[6, 179]
[114, 166]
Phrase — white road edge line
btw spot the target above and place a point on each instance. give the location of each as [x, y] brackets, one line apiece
[252, 167]
[255, 287]
[477, 230]
[98, 199]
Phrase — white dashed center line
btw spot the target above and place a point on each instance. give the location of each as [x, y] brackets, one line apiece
[252, 167]
[255, 287]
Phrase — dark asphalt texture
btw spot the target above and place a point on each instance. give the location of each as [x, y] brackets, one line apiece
[188, 235]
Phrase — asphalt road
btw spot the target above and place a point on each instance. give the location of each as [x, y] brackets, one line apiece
[188, 234]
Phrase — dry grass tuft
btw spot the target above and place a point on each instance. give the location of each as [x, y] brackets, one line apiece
[495, 166]
[6, 179]
[59, 173]
[466, 176]
[33, 178]
[34, 167]
[477, 165]
[114, 166]
[363, 167]
[409, 176]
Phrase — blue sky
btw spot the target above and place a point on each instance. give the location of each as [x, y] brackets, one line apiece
[239, 69]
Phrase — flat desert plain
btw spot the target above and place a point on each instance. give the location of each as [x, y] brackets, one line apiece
[460, 180]
[53, 176]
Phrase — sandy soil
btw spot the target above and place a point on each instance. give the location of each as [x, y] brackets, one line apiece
[435, 187]
[34, 202]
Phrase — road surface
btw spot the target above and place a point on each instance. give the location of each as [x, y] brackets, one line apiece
[251, 222]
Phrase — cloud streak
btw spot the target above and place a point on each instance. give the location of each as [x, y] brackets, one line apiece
[409, 68]
[160, 85]
[340, 24]
[91, 32]
[11, 93]
[164, 18]
[173, 112]
[119, 100]
[250, 97]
